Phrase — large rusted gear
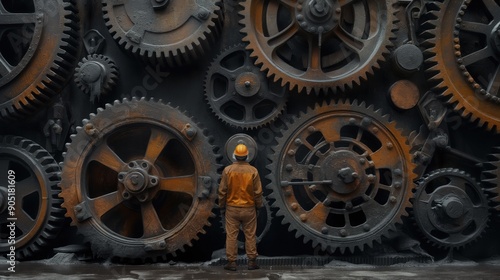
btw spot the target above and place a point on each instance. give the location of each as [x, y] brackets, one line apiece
[463, 57]
[341, 176]
[169, 32]
[37, 47]
[38, 215]
[491, 178]
[319, 44]
[239, 94]
[145, 200]
[450, 208]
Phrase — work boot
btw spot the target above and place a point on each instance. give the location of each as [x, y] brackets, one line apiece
[252, 264]
[230, 266]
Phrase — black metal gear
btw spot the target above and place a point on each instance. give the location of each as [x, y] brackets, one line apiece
[450, 208]
[96, 69]
[465, 67]
[169, 32]
[319, 44]
[140, 201]
[30, 74]
[239, 94]
[491, 178]
[341, 176]
[38, 216]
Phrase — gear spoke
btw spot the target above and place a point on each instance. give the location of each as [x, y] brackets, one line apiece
[17, 18]
[492, 7]
[158, 140]
[314, 57]
[354, 44]
[182, 184]
[477, 56]
[24, 222]
[26, 186]
[476, 27]
[494, 84]
[283, 36]
[105, 155]
[382, 160]
[5, 67]
[103, 204]
[151, 223]
[288, 3]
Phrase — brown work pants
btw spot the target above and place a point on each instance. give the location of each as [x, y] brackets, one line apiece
[246, 217]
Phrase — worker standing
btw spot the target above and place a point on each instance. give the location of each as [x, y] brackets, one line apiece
[240, 198]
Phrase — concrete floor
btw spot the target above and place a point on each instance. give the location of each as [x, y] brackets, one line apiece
[76, 270]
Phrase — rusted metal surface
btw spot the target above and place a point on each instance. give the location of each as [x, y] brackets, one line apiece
[405, 91]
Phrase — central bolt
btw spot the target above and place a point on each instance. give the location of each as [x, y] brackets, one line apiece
[347, 175]
[453, 207]
[135, 181]
[319, 8]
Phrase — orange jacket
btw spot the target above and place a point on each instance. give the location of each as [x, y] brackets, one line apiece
[240, 186]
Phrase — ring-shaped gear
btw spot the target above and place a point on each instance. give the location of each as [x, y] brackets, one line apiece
[96, 69]
[491, 178]
[139, 180]
[33, 174]
[319, 44]
[450, 208]
[239, 94]
[174, 33]
[341, 176]
[466, 71]
[29, 73]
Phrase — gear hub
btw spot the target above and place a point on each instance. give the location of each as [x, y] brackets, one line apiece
[318, 16]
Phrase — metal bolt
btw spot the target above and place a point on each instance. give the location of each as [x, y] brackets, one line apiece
[390, 146]
[291, 153]
[289, 168]
[295, 206]
[324, 230]
[303, 217]
[393, 199]
[343, 232]
[298, 141]
[362, 161]
[311, 129]
[366, 227]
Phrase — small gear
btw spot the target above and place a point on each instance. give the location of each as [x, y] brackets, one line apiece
[466, 70]
[450, 208]
[139, 202]
[33, 175]
[36, 53]
[319, 44]
[95, 75]
[341, 176]
[172, 33]
[239, 94]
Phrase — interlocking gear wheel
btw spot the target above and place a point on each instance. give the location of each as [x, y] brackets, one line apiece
[95, 75]
[29, 73]
[33, 174]
[239, 94]
[491, 178]
[319, 44]
[463, 57]
[139, 180]
[341, 176]
[168, 32]
[450, 208]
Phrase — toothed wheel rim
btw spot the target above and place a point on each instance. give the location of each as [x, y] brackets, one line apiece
[491, 178]
[470, 85]
[141, 201]
[29, 77]
[318, 49]
[95, 68]
[174, 34]
[450, 208]
[357, 173]
[38, 213]
[239, 94]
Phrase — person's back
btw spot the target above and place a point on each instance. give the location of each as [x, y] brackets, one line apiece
[240, 195]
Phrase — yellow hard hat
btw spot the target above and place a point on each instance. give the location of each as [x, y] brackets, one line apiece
[241, 150]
